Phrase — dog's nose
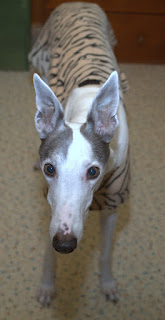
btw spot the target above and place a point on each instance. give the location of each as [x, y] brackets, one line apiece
[64, 243]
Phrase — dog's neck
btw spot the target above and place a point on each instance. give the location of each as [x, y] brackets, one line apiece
[78, 104]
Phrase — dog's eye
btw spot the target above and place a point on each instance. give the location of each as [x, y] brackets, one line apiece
[49, 170]
[93, 172]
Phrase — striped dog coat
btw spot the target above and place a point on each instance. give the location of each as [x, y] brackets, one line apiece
[75, 49]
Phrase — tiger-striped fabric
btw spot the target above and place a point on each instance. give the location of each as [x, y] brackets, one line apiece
[75, 49]
[114, 189]
[72, 48]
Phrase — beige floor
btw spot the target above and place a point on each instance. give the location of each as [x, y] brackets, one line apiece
[139, 248]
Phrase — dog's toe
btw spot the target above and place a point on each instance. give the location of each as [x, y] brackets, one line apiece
[45, 295]
[109, 288]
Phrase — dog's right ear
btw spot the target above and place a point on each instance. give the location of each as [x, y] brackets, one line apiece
[102, 115]
[50, 112]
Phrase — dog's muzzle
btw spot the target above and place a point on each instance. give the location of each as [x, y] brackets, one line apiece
[64, 243]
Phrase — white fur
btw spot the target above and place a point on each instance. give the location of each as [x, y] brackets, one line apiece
[78, 104]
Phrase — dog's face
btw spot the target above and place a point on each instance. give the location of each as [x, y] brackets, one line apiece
[73, 158]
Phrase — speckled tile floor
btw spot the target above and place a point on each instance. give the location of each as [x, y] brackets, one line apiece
[139, 247]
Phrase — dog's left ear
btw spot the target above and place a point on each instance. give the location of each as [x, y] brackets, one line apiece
[102, 115]
[50, 112]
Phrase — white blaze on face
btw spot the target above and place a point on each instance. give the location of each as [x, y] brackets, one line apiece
[79, 155]
[70, 192]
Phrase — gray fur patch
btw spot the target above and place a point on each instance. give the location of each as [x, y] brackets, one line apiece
[58, 141]
[99, 147]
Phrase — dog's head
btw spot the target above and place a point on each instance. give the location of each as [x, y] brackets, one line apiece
[74, 157]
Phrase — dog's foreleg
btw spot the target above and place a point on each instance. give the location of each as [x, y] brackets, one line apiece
[46, 291]
[108, 283]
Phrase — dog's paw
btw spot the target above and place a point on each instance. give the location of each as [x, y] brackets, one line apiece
[45, 294]
[109, 288]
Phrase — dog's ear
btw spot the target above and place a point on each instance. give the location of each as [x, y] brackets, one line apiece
[50, 112]
[102, 115]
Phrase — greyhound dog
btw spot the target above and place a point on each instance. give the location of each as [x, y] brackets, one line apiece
[82, 147]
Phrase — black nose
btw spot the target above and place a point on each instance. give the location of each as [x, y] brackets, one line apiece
[64, 243]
